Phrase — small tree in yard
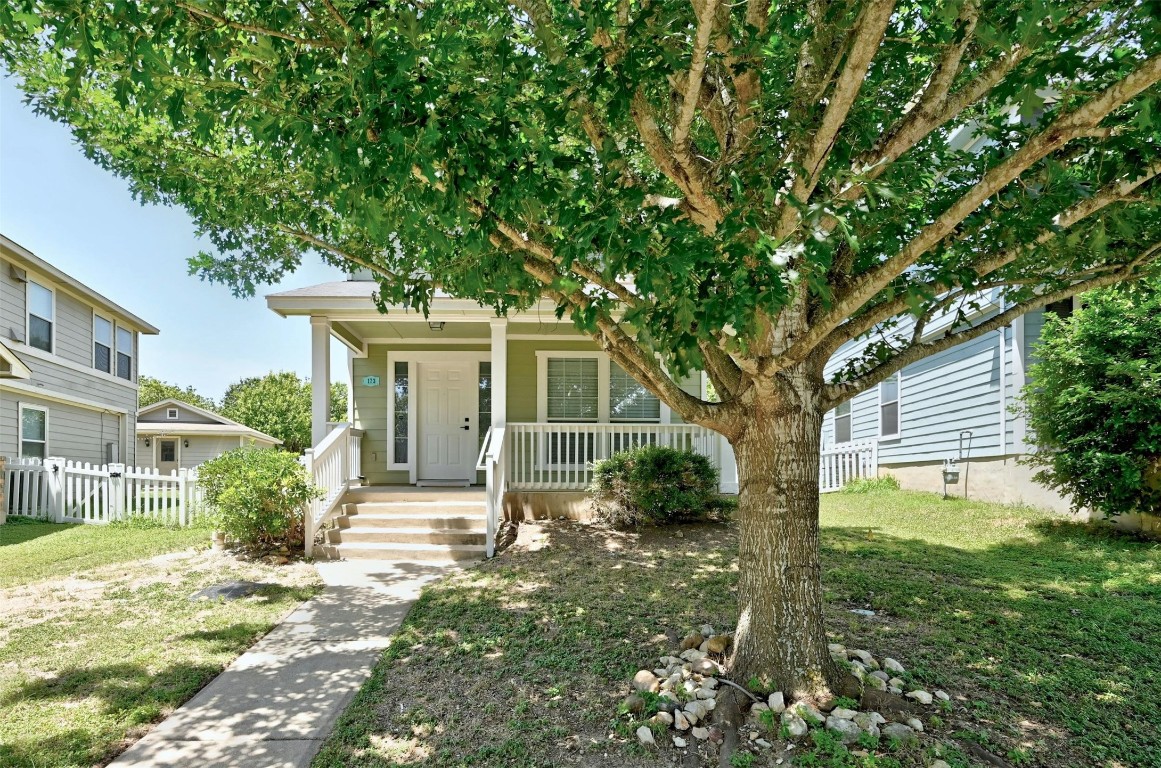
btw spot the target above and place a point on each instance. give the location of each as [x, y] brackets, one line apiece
[151, 390]
[279, 405]
[740, 188]
[1094, 401]
[257, 495]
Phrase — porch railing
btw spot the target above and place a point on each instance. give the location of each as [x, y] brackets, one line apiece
[559, 456]
[331, 465]
[841, 464]
[493, 461]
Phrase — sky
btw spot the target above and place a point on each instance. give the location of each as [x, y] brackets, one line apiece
[82, 219]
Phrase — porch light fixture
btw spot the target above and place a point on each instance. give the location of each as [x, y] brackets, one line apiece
[147, 442]
[435, 326]
[185, 443]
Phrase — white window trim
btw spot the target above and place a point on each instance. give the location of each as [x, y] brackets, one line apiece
[172, 413]
[850, 417]
[177, 441]
[20, 427]
[112, 343]
[413, 358]
[132, 353]
[604, 367]
[898, 409]
[28, 317]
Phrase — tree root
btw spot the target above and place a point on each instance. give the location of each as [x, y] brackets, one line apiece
[728, 716]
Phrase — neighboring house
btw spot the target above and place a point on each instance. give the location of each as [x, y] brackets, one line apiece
[68, 365]
[922, 415]
[172, 434]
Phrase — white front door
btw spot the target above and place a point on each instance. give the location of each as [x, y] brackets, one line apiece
[447, 422]
[168, 456]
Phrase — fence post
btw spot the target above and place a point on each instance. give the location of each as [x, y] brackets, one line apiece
[54, 475]
[182, 496]
[116, 492]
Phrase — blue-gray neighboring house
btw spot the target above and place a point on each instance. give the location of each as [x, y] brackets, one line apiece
[923, 415]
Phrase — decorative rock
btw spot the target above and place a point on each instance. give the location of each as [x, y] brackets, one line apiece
[679, 742]
[877, 719]
[692, 654]
[915, 723]
[858, 670]
[861, 655]
[758, 708]
[881, 675]
[923, 697]
[661, 673]
[663, 717]
[865, 613]
[645, 736]
[706, 667]
[777, 702]
[844, 713]
[891, 665]
[707, 630]
[672, 681]
[827, 704]
[692, 640]
[875, 682]
[846, 729]
[807, 712]
[899, 732]
[837, 648]
[701, 734]
[669, 661]
[940, 764]
[670, 696]
[680, 721]
[709, 682]
[763, 743]
[634, 704]
[716, 735]
[795, 726]
[710, 704]
[689, 686]
[696, 710]
[895, 690]
[896, 682]
[942, 696]
[704, 693]
[866, 721]
[704, 647]
[646, 681]
[718, 644]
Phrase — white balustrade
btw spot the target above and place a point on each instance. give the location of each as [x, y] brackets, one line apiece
[560, 456]
[329, 465]
[493, 460]
[841, 464]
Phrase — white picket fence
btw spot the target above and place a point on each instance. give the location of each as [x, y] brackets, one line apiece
[841, 464]
[72, 492]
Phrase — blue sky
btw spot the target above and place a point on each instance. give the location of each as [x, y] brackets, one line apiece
[83, 220]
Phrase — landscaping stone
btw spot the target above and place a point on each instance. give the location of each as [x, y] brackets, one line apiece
[891, 665]
[663, 717]
[758, 708]
[880, 674]
[704, 693]
[701, 734]
[861, 655]
[923, 697]
[718, 644]
[691, 641]
[807, 712]
[696, 710]
[716, 735]
[837, 648]
[940, 764]
[848, 732]
[866, 722]
[942, 696]
[707, 630]
[844, 713]
[706, 667]
[896, 682]
[646, 681]
[777, 702]
[679, 742]
[875, 682]
[634, 704]
[692, 654]
[915, 723]
[904, 734]
[763, 743]
[680, 721]
[645, 736]
[795, 726]
[230, 590]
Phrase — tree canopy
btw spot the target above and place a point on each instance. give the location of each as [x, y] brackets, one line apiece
[151, 390]
[279, 405]
[740, 188]
[1094, 401]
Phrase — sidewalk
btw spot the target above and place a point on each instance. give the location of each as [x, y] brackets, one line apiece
[274, 706]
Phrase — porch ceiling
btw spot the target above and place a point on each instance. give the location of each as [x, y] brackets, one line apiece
[385, 330]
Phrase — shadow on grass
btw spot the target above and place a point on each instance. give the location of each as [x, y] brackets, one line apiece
[1049, 638]
[18, 530]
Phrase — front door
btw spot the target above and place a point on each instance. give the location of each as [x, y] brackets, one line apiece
[447, 415]
[167, 460]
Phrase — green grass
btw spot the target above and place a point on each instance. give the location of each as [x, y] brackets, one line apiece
[91, 655]
[32, 551]
[1043, 631]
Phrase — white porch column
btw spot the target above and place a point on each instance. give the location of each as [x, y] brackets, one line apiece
[499, 371]
[320, 378]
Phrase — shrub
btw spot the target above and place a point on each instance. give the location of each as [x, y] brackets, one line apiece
[871, 484]
[654, 485]
[1094, 401]
[257, 495]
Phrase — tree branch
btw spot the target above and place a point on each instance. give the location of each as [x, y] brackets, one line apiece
[194, 10]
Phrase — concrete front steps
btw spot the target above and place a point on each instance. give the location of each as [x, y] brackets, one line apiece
[409, 524]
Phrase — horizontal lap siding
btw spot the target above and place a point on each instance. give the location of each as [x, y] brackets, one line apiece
[184, 415]
[11, 302]
[74, 433]
[73, 333]
[202, 449]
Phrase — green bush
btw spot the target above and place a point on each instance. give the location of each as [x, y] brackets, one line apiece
[653, 485]
[257, 496]
[1094, 401]
[871, 484]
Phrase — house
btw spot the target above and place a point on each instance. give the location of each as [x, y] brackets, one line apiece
[68, 365]
[961, 405]
[172, 434]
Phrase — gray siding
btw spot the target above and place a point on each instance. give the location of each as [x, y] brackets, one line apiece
[201, 449]
[79, 434]
[11, 304]
[73, 332]
[184, 415]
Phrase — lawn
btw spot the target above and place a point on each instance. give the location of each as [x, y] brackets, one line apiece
[1043, 631]
[99, 639]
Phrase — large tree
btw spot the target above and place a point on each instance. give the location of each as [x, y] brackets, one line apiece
[151, 390]
[279, 405]
[740, 188]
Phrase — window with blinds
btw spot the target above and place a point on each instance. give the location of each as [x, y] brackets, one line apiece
[629, 400]
[572, 389]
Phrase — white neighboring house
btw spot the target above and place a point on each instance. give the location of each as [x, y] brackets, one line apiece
[172, 434]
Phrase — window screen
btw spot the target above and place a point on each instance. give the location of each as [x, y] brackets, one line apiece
[124, 353]
[33, 433]
[402, 390]
[102, 344]
[572, 389]
[629, 400]
[40, 315]
[889, 407]
[842, 423]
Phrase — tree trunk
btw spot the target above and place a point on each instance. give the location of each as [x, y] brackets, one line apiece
[780, 640]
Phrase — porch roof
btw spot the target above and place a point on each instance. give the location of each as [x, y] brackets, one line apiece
[354, 300]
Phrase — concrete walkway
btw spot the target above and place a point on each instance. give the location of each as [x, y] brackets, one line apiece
[274, 706]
